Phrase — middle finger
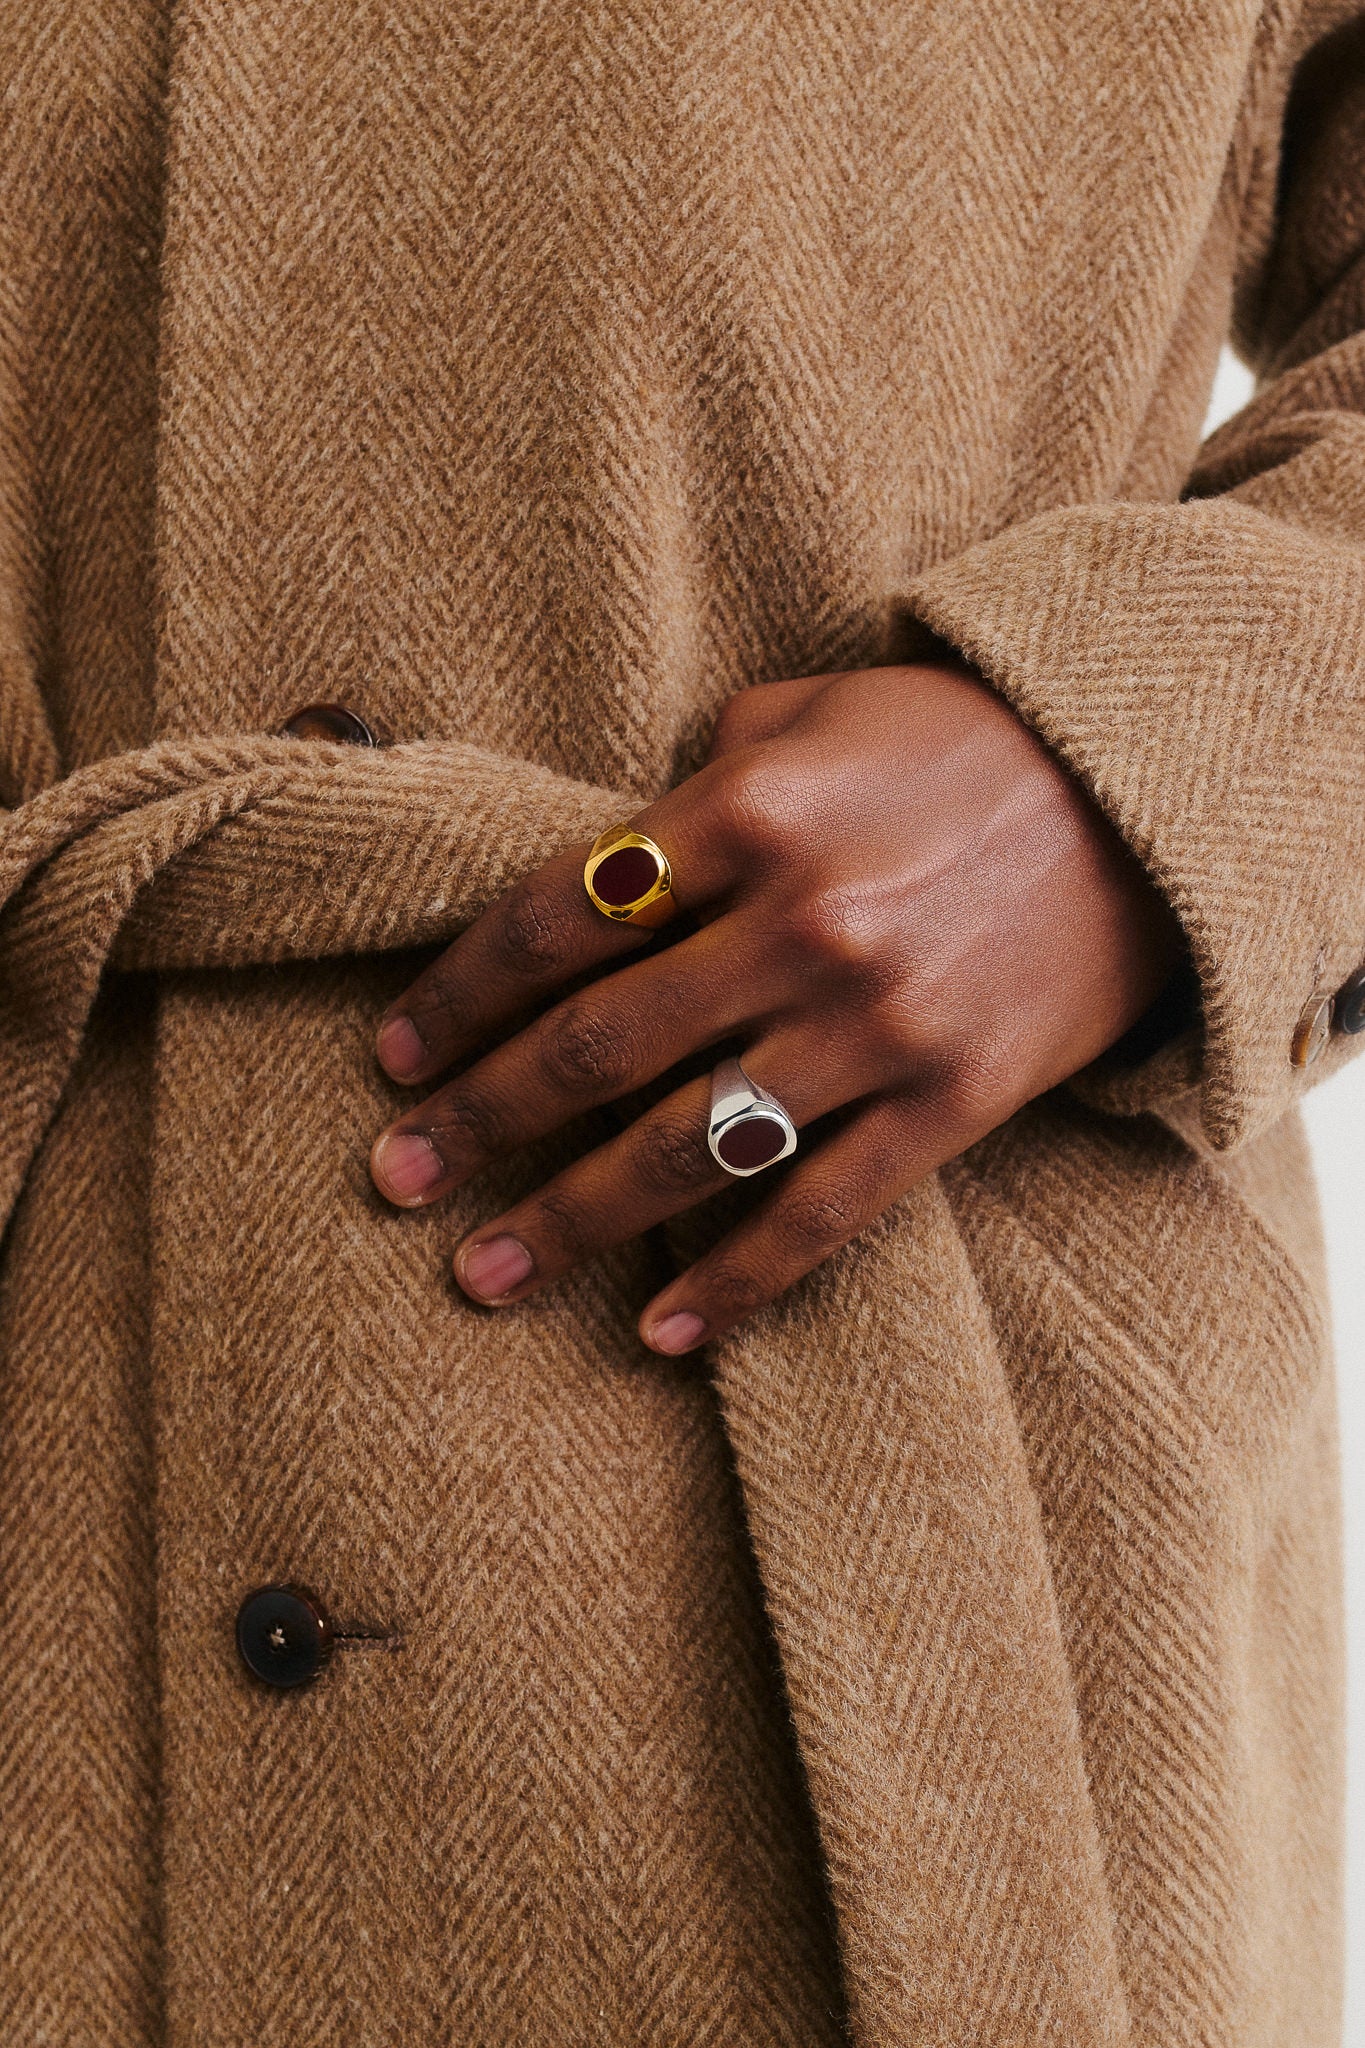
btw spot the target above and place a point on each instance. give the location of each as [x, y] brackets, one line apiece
[605, 1040]
[544, 932]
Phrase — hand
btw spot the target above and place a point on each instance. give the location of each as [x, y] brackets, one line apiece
[912, 913]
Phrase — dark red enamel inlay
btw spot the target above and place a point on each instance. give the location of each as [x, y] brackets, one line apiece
[626, 876]
[751, 1144]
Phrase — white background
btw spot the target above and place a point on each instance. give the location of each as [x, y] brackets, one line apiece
[1336, 1125]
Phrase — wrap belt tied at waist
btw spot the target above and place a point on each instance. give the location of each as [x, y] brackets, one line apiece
[234, 852]
[873, 1430]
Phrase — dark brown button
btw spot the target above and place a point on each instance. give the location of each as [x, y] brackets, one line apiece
[1312, 1031]
[328, 722]
[284, 1634]
[1348, 1004]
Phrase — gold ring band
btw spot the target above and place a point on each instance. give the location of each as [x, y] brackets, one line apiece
[628, 878]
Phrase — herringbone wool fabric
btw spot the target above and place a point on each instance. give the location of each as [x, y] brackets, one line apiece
[954, 1656]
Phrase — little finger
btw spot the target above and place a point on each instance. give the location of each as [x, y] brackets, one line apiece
[816, 1209]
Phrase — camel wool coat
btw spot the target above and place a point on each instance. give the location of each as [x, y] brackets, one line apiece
[952, 1656]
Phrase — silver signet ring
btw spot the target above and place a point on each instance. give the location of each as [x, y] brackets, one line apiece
[749, 1129]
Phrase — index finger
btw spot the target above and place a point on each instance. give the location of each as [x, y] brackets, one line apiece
[542, 932]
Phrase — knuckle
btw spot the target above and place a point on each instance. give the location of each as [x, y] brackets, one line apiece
[755, 804]
[818, 1219]
[433, 1000]
[534, 935]
[734, 722]
[837, 929]
[969, 1083]
[467, 1122]
[736, 1290]
[582, 1047]
[673, 1157]
[563, 1219]
[889, 1033]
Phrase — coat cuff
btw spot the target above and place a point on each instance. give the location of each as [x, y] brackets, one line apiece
[1201, 668]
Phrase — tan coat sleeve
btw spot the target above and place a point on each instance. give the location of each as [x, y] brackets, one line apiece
[1201, 666]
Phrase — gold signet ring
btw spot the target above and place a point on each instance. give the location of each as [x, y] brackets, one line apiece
[628, 878]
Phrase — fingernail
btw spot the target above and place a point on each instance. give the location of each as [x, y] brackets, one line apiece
[406, 1166]
[400, 1048]
[495, 1267]
[678, 1332]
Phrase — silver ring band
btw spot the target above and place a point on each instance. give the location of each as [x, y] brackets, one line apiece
[749, 1129]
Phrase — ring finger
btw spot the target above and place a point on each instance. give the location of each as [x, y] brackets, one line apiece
[659, 1166]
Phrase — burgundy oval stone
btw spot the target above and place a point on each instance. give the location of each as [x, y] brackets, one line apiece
[751, 1143]
[626, 875]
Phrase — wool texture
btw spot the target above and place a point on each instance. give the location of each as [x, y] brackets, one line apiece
[953, 1655]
